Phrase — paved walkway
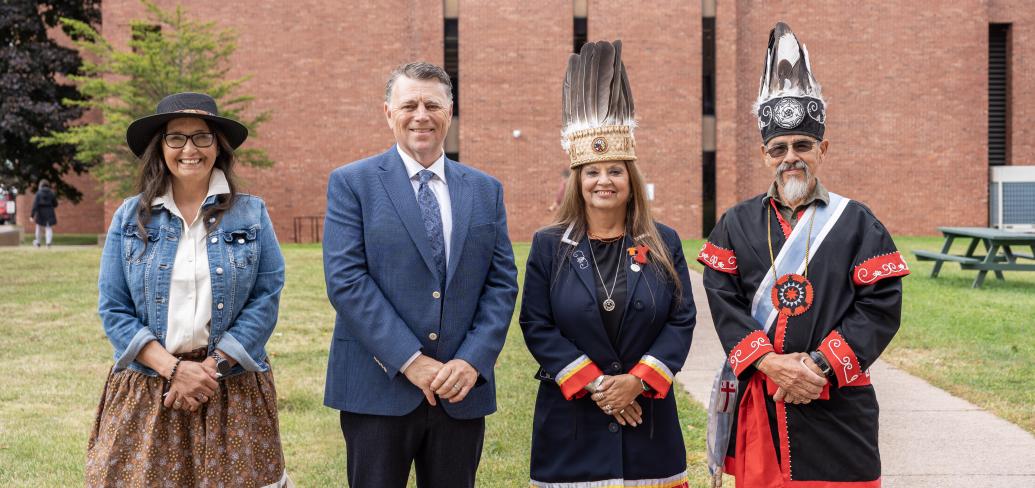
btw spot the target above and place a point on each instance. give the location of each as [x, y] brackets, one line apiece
[928, 438]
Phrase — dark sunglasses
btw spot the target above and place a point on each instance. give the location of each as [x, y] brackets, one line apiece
[200, 139]
[800, 147]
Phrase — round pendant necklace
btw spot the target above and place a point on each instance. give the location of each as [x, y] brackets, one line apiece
[792, 292]
[609, 304]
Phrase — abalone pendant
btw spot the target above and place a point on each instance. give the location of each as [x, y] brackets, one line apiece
[609, 305]
[792, 294]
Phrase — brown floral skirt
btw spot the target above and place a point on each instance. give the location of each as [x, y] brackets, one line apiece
[232, 440]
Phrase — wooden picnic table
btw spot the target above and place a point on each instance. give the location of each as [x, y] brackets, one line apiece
[999, 252]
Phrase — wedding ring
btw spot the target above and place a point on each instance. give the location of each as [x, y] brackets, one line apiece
[456, 386]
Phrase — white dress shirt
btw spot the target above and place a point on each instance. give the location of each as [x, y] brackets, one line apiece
[190, 289]
[440, 188]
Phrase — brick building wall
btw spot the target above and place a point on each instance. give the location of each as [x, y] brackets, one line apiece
[661, 48]
[906, 84]
[320, 67]
[513, 56]
[1021, 15]
[907, 104]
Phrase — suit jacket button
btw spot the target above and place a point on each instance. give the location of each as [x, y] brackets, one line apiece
[436, 294]
[613, 427]
[616, 366]
[433, 336]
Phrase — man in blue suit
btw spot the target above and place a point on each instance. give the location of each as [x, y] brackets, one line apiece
[421, 273]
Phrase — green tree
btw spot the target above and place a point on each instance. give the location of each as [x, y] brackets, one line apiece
[168, 53]
[31, 92]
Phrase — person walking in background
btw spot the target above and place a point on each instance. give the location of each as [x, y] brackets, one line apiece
[43, 214]
[421, 273]
[190, 283]
[607, 310]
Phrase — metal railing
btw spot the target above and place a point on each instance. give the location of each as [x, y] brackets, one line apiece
[308, 227]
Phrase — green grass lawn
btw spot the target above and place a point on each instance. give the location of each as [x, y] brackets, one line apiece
[63, 239]
[978, 344]
[54, 358]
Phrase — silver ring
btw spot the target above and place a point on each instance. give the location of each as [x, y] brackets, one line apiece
[456, 386]
[176, 404]
[202, 398]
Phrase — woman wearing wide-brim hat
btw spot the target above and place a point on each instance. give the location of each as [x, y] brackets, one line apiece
[190, 284]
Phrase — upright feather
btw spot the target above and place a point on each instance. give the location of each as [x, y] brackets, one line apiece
[566, 99]
[589, 82]
[605, 73]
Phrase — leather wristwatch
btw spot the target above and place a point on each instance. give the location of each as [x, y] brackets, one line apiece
[222, 365]
[821, 361]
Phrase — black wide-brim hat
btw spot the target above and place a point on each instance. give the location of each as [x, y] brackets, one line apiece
[140, 132]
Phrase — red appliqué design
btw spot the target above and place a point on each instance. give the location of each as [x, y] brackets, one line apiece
[792, 294]
[842, 359]
[748, 350]
[639, 253]
[718, 258]
[879, 267]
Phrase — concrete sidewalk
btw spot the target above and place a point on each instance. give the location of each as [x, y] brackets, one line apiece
[928, 438]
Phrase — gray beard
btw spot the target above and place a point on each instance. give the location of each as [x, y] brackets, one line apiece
[793, 189]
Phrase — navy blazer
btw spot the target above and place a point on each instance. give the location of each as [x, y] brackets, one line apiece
[572, 439]
[384, 286]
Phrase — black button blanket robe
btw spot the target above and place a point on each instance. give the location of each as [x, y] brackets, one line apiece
[855, 271]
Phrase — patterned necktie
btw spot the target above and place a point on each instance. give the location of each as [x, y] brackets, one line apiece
[429, 209]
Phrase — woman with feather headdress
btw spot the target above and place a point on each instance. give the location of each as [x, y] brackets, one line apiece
[607, 310]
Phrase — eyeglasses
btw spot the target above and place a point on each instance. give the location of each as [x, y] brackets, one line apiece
[800, 147]
[200, 139]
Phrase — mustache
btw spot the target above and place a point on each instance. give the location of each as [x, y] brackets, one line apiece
[785, 166]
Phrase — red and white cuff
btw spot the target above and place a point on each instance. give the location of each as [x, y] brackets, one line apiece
[748, 350]
[717, 258]
[653, 372]
[576, 375]
[879, 267]
[843, 361]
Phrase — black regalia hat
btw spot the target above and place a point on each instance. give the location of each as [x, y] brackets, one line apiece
[790, 100]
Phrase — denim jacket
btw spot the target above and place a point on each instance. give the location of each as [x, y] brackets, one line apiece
[247, 273]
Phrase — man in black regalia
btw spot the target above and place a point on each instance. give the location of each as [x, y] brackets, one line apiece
[805, 289]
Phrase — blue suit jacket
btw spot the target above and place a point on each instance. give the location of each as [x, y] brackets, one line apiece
[383, 283]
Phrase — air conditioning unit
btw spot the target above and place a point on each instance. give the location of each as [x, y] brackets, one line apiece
[1011, 198]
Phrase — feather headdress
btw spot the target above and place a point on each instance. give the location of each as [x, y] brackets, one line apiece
[790, 101]
[598, 106]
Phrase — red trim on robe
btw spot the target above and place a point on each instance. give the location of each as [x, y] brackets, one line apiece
[717, 258]
[783, 223]
[781, 333]
[659, 384]
[843, 361]
[574, 385]
[748, 350]
[879, 267]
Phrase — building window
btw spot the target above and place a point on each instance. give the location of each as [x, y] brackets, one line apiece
[581, 30]
[998, 94]
[451, 63]
[708, 186]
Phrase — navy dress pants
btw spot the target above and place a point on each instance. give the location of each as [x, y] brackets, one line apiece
[380, 449]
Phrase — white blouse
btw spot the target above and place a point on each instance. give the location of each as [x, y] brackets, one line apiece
[190, 289]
